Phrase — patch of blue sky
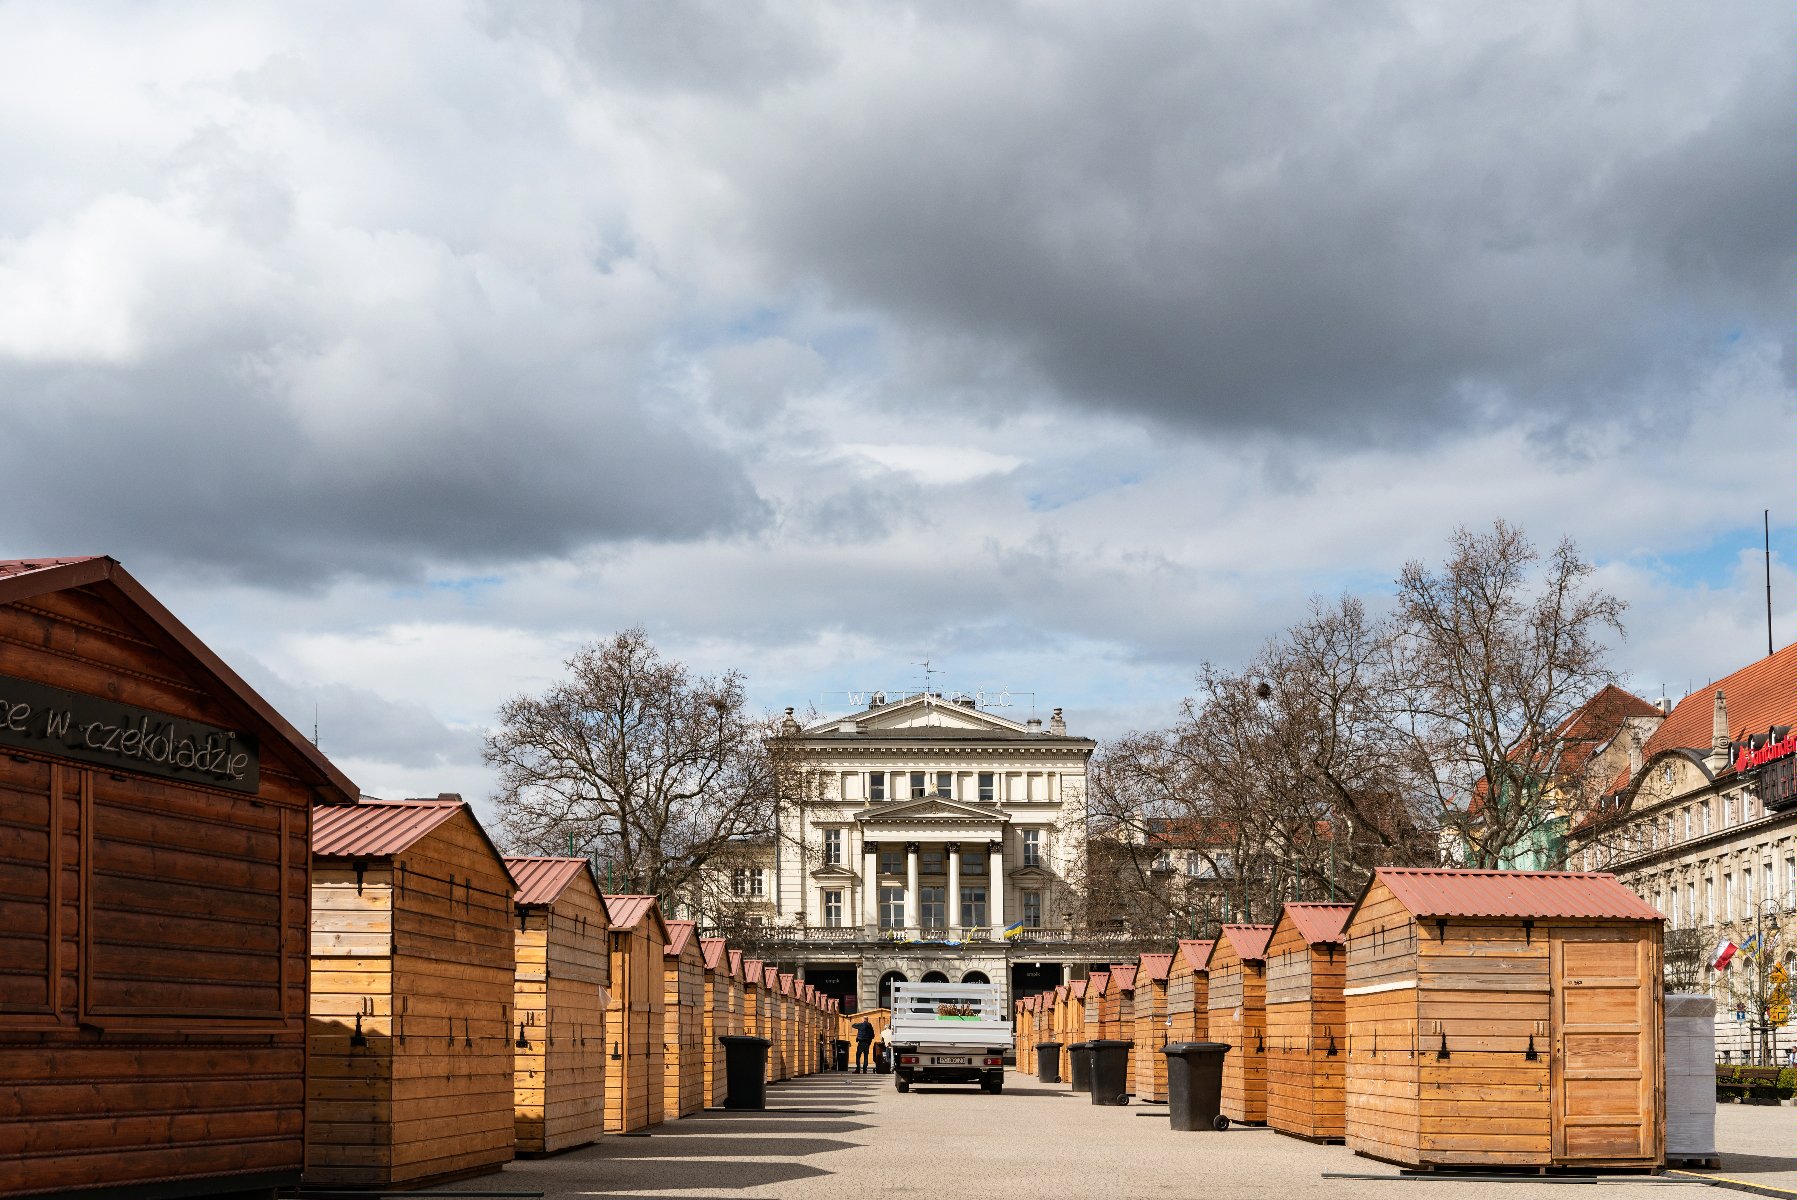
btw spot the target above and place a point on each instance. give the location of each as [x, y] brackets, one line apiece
[1073, 488]
[1714, 563]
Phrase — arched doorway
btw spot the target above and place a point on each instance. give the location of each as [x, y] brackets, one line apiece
[934, 977]
[975, 977]
[886, 982]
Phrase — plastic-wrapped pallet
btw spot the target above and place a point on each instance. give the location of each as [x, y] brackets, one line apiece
[1690, 1078]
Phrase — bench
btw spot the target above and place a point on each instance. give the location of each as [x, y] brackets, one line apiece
[1751, 1085]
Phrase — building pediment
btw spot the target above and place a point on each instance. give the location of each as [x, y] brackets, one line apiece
[1029, 876]
[834, 873]
[931, 810]
[921, 714]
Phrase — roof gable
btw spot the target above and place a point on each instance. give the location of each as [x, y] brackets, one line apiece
[1317, 924]
[1195, 954]
[920, 713]
[1124, 976]
[1154, 967]
[372, 828]
[627, 912]
[680, 939]
[1247, 942]
[933, 808]
[22, 579]
[542, 880]
[715, 952]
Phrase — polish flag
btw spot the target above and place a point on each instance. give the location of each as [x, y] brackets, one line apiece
[1724, 951]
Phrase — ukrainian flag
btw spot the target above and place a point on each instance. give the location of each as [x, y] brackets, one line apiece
[1013, 929]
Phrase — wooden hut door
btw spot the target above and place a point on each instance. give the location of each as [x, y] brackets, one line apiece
[1603, 1069]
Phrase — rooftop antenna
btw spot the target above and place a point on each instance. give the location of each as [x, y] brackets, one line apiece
[315, 725]
[929, 673]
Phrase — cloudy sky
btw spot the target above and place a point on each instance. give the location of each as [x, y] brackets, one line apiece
[400, 348]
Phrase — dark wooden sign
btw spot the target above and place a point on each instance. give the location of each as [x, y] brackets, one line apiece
[34, 716]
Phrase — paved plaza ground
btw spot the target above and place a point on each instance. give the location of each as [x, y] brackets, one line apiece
[838, 1137]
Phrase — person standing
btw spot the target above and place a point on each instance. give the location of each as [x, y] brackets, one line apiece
[864, 1040]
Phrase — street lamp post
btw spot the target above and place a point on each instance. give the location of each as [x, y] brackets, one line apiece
[1765, 932]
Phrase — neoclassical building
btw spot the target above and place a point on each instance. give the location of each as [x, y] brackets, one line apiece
[934, 839]
[1705, 829]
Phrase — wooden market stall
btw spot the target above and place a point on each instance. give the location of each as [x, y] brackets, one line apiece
[1025, 1026]
[1149, 1004]
[1075, 1024]
[1188, 992]
[636, 1065]
[683, 1021]
[410, 1063]
[1120, 1016]
[773, 1006]
[1057, 1020]
[1238, 1017]
[1504, 1018]
[723, 1012]
[755, 1006]
[1306, 1039]
[563, 971]
[1098, 984]
[154, 850]
[789, 1025]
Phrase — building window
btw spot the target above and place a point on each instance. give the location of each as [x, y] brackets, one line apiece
[1705, 806]
[1728, 897]
[1728, 812]
[833, 908]
[929, 862]
[1709, 901]
[988, 787]
[746, 881]
[1687, 822]
[945, 783]
[833, 847]
[1163, 861]
[892, 908]
[1747, 888]
[1691, 904]
[973, 862]
[917, 784]
[892, 861]
[1790, 880]
[1032, 910]
[1032, 847]
[930, 907]
[973, 907]
[876, 785]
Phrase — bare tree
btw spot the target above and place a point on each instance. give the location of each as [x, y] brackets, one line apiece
[1489, 655]
[658, 773]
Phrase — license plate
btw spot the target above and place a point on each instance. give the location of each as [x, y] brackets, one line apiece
[953, 1062]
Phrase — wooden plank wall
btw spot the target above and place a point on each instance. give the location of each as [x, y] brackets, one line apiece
[454, 973]
[1607, 1069]
[1306, 1037]
[1237, 1017]
[1120, 1013]
[723, 1016]
[563, 965]
[1381, 1081]
[1149, 1002]
[683, 1025]
[1188, 1002]
[349, 1086]
[192, 1060]
[634, 1067]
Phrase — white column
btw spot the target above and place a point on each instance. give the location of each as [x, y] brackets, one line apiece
[870, 883]
[995, 902]
[910, 885]
[952, 905]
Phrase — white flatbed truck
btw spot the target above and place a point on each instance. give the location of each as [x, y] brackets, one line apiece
[949, 1033]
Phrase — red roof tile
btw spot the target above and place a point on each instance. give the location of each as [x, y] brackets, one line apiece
[1248, 941]
[716, 952]
[1759, 696]
[1154, 967]
[541, 880]
[376, 828]
[1319, 923]
[1124, 976]
[1522, 895]
[679, 934]
[1196, 954]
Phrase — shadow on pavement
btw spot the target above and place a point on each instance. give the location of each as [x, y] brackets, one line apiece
[771, 1147]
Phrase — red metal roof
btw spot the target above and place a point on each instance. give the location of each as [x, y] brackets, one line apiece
[376, 828]
[626, 911]
[1124, 976]
[1319, 923]
[786, 982]
[1520, 895]
[736, 963]
[679, 934]
[1154, 967]
[770, 975]
[541, 880]
[24, 566]
[1077, 989]
[1248, 941]
[751, 970]
[1097, 982]
[1196, 954]
[715, 952]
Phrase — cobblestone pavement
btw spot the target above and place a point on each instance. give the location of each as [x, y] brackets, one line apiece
[838, 1137]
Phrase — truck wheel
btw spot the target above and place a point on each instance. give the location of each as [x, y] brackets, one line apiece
[1221, 1123]
[994, 1087]
[901, 1083]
